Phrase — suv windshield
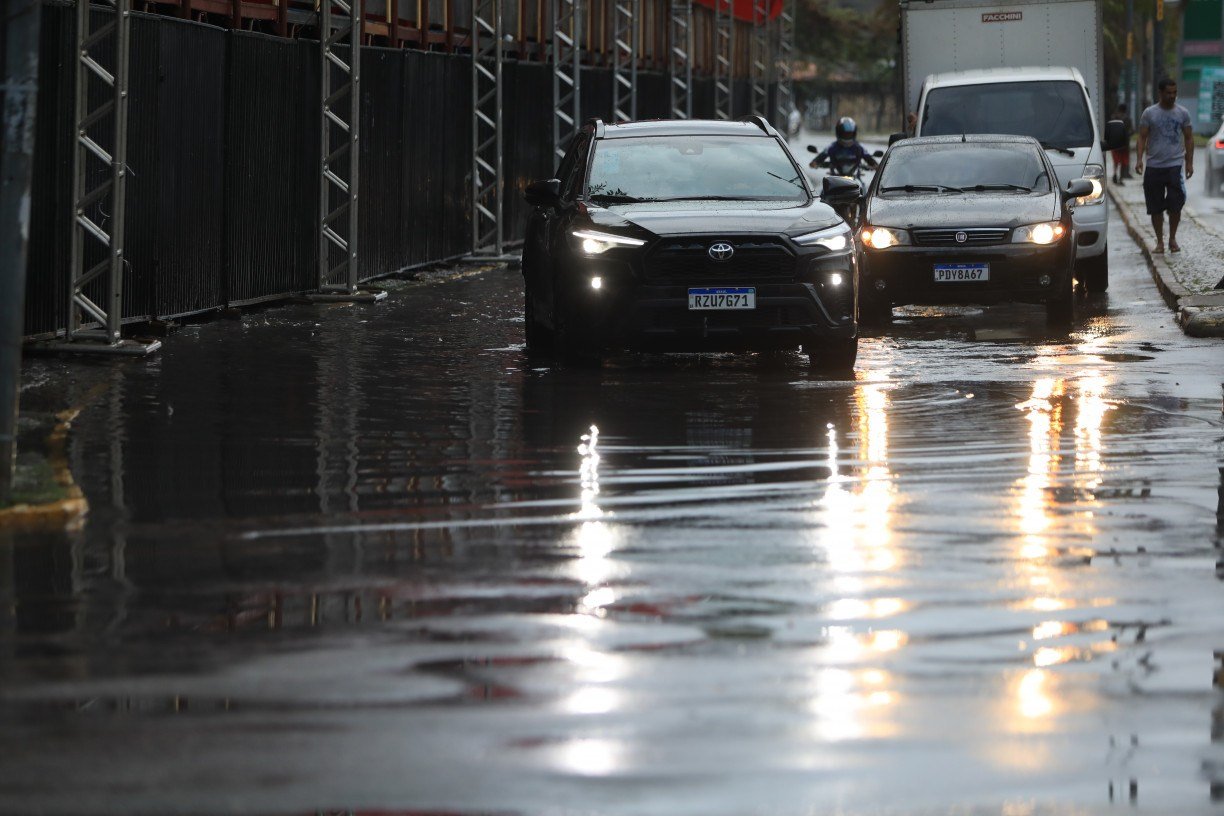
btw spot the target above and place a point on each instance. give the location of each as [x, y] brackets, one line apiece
[678, 168]
[965, 166]
[1054, 112]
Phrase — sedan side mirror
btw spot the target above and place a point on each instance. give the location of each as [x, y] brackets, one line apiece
[545, 193]
[1077, 189]
[1115, 135]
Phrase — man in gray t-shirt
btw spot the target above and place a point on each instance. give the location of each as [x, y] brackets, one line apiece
[1167, 138]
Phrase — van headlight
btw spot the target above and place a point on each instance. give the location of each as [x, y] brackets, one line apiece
[597, 243]
[1047, 232]
[834, 239]
[883, 237]
[1096, 174]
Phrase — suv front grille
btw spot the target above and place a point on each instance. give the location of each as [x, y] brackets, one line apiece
[974, 236]
[689, 259]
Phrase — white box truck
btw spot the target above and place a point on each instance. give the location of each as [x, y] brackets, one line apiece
[1027, 67]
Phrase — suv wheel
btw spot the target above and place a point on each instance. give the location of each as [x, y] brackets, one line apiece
[834, 355]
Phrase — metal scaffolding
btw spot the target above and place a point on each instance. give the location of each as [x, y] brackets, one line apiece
[784, 99]
[625, 16]
[339, 123]
[487, 182]
[760, 57]
[566, 72]
[724, 54]
[680, 62]
[99, 181]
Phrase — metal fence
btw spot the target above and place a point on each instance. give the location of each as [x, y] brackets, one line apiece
[224, 148]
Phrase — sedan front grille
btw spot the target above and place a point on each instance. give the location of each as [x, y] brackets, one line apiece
[689, 259]
[973, 236]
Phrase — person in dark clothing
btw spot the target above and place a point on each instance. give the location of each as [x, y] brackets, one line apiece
[846, 148]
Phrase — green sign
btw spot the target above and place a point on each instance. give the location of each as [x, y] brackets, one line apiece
[1211, 95]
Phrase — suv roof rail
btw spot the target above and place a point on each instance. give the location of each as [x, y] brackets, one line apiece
[760, 122]
[598, 125]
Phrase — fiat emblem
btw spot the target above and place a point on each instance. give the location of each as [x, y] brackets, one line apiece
[961, 237]
[722, 251]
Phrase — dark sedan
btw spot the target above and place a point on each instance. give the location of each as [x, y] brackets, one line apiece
[968, 219]
[688, 236]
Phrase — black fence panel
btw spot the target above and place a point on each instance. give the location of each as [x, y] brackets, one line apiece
[527, 139]
[435, 166]
[51, 191]
[271, 167]
[187, 202]
[142, 211]
[380, 242]
[654, 95]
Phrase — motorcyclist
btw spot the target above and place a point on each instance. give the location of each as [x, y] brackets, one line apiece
[846, 149]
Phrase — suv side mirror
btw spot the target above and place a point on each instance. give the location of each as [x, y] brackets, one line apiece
[545, 193]
[896, 137]
[839, 190]
[1115, 135]
[1077, 189]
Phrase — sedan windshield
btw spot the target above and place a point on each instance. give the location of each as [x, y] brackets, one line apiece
[964, 167]
[1054, 112]
[688, 168]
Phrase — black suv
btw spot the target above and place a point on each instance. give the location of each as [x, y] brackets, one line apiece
[689, 236]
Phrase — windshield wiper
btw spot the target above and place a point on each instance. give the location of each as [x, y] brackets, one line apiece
[706, 198]
[792, 180]
[1068, 151]
[613, 198]
[983, 187]
[923, 188]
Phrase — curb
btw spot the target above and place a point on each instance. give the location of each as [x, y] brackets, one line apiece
[1195, 321]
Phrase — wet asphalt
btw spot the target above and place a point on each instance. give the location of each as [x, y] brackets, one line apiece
[373, 559]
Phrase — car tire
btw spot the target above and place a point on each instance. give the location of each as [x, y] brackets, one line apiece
[572, 343]
[874, 311]
[1212, 179]
[835, 355]
[1060, 308]
[538, 336]
[1094, 272]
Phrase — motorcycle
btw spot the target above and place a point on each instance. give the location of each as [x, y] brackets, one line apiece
[851, 168]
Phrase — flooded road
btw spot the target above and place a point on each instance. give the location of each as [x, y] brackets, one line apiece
[372, 559]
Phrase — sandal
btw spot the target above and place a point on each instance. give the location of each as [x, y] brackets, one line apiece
[1174, 247]
[1159, 250]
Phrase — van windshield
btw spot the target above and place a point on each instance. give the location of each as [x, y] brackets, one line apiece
[1054, 112]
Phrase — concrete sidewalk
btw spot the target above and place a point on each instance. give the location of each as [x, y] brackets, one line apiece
[1186, 279]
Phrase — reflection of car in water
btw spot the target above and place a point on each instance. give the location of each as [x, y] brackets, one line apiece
[678, 427]
[968, 219]
[688, 236]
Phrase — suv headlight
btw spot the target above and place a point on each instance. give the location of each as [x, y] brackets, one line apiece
[883, 237]
[1096, 174]
[1047, 232]
[834, 239]
[597, 243]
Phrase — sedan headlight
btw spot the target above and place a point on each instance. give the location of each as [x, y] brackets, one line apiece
[1047, 232]
[834, 239]
[1096, 174]
[883, 237]
[597, 243]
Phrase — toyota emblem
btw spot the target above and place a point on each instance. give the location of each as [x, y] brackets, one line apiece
[722, 251]
[961, 237]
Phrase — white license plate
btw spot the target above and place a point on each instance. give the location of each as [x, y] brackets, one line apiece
[961, 273]
[722, 297]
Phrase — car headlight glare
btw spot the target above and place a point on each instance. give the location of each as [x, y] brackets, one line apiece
[1096, 174]
[1047, 232]
[883, 237]
[834, 239]
[597, 243]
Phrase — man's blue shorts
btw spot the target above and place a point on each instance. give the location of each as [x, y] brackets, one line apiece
[1163, 189]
